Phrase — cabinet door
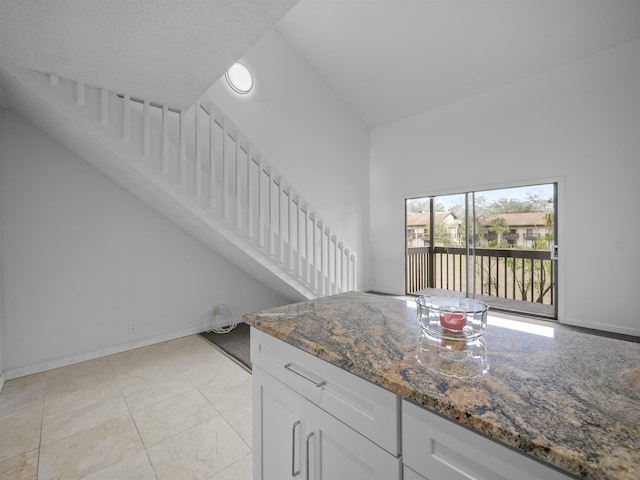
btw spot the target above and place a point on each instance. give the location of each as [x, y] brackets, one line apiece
[278, 430]
[291, 433]
[411, 475]
[336, 452]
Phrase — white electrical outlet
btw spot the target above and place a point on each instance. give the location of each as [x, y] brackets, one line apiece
[132, 327]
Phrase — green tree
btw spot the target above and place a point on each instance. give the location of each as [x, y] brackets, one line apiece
[418, 205]
[498, 226]
[532, 278]
[533, 203]
[442, 234]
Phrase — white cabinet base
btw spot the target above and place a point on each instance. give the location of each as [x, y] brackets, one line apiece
[293, 438]
[314, 421]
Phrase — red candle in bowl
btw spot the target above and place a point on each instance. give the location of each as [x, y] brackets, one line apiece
[453, 320]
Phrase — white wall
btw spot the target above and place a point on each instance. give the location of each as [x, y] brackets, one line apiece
[580, 124]
[2, 375]
[308, 135]
[82, 258]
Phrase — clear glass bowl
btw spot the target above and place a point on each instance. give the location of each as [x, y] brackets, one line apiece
[453, 358]
[453, 318]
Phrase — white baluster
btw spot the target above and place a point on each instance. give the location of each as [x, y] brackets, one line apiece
[325, 260]
[248, 212]
[165, 139]
[340, 283]
[146, 149]
[318, 266]
[327, 272]
[267, 240]
[354, 271]
[257, 216]
[182, 166]
[330, 266]
[348, 279]
[212, 159]
[298, 255]
[225, 180]
[280, 232]
[238, 154]
[264, 222]
[196, 139]
[289, 233]
[314, 271]
[335, 264]
[305, 272]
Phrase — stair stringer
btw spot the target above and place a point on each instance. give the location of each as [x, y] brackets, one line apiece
[30, 96]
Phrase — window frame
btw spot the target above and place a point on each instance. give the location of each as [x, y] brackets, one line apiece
[470, 290]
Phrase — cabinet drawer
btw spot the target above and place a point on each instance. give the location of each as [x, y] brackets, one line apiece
[438, 448]
[365, 407]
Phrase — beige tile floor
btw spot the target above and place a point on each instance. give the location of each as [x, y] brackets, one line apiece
[176, 410]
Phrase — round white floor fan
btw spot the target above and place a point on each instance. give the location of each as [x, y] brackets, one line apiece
[219, 320]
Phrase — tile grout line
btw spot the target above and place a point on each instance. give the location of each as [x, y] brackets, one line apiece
[44, 393]
[229, 466]
[226, 421]
[144, 446]
[193, 382]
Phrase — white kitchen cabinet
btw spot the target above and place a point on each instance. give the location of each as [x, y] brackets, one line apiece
[339, 452]
[294, 437]
[435, 448]
[278, 437]
[315, 421]
[366, 408]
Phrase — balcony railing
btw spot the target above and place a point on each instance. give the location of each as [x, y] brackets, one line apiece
[509, 274]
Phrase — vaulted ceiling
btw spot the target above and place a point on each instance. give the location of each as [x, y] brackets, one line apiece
[169, 51]
[386, 59]
[389, 59]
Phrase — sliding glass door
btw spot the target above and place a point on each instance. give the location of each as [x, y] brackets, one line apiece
[494, 245]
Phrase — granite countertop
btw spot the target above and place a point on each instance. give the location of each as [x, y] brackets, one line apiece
[567, 398]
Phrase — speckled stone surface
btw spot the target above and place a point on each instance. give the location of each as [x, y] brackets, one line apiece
[569, 399]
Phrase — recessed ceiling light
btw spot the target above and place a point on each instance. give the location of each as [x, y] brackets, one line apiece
[239, 78]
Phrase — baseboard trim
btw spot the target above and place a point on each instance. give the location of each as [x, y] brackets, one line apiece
[2, 376]
[603, 327]
[83, 357]
[384, 291]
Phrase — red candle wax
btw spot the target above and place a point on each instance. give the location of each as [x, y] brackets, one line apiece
[453, 320]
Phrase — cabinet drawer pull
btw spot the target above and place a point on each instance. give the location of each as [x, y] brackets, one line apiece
[308, 459]
[317, 382]
[294, 472]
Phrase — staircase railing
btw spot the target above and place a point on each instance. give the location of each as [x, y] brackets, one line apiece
[205, 154]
